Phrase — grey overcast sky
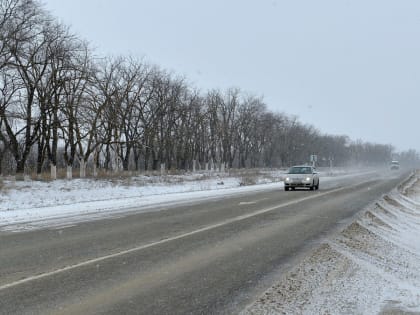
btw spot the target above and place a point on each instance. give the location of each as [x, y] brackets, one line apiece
[347, 67]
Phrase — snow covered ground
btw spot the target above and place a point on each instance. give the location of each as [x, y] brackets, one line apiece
[371, 267]
[28, 205]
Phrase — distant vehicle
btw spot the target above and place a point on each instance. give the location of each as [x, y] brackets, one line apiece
[395, 165]
[301, 176]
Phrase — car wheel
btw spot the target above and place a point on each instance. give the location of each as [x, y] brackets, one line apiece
[286, 188]
[317, 186]
[312, 187]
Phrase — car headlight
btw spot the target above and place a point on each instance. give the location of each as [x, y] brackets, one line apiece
[307, 179]
[287, 179]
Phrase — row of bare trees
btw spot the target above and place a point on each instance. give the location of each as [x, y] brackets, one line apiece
[61, 105]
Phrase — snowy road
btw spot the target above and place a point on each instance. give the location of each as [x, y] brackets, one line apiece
[37, 205]
[370, 267]
[208, 257]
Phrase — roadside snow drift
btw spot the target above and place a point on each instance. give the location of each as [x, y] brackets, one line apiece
[31, 205]
[371, 267]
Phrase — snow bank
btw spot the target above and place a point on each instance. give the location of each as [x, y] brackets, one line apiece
[29, 205]
[371, 267]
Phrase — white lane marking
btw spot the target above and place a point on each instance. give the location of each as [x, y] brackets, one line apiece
[62, 227]
[243, 203]
[247, 203]
[207, 228]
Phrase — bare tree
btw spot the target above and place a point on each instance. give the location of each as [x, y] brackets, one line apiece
[21, 119]
[78, 81]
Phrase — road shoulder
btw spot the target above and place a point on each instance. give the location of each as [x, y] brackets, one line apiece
[370, 267]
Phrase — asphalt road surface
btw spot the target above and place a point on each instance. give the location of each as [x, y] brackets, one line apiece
[203, 258]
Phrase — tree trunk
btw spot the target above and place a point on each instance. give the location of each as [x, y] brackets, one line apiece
[69, 172]
[95, 170]
[107, 157]
[126, 162]
[40, 158]
[53, 172]
[82, 168]
[95, 162]
[20, 168]
[146, 159]
[136, 159]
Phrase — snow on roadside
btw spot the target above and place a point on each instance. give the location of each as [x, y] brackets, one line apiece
[29, 205]
[32, 205]
[371, 267]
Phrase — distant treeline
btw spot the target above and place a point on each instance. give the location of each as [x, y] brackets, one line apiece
[62, 106]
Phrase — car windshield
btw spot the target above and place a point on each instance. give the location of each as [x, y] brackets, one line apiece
[300, 170]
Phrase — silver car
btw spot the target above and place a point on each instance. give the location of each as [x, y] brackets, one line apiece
[301, 176]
